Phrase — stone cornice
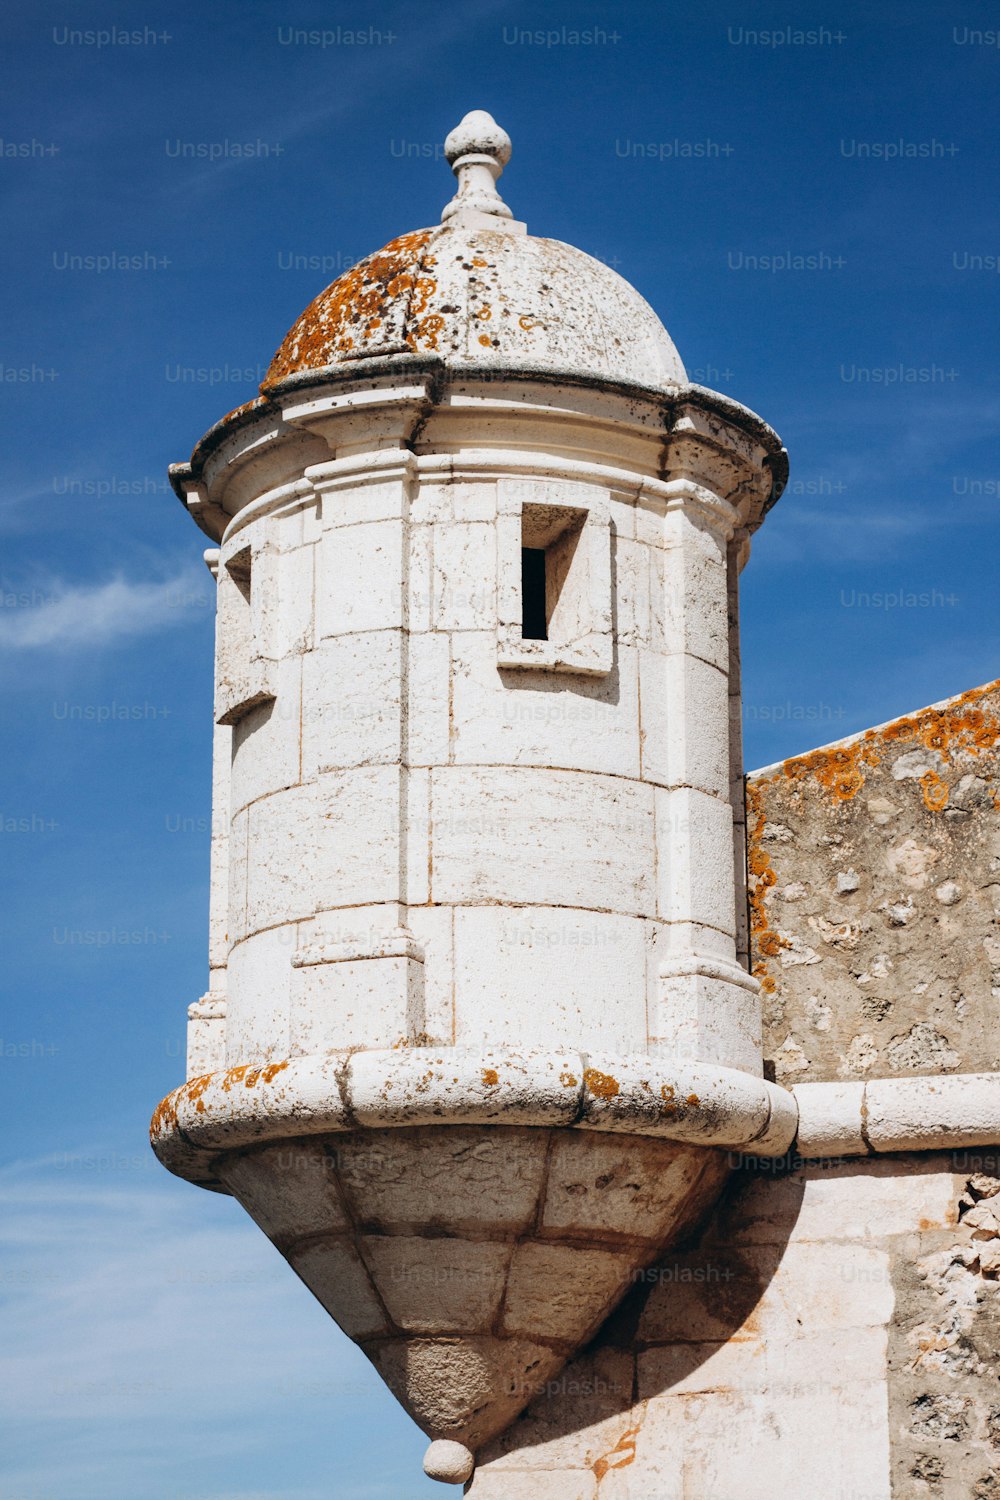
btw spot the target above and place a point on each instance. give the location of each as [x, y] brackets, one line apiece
[667, 1098]
[673, 423]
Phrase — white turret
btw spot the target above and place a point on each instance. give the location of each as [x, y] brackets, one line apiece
[479, 995]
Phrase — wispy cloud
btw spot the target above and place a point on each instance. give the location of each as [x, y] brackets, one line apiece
[48, 613]
[156, 1341]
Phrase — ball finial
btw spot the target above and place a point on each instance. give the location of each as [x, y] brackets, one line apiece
[452, 1463]
[478, 150]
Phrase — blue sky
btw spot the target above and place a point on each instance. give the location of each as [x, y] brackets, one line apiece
[157, 1345]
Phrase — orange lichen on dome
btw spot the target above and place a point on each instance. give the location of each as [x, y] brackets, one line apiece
[426, 331]
[352, 311]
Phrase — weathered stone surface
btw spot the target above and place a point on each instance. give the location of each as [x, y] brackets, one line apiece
[875, 891]
[830, 1332]
[295, 1195]
[582, 841]
[566, 1289]
[433, 1248]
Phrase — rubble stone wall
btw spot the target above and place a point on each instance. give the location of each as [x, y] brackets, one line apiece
[874, 874]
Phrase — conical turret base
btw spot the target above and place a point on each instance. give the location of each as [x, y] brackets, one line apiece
[471, 1263]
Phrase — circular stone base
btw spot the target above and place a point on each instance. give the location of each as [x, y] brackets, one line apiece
[452, 1463]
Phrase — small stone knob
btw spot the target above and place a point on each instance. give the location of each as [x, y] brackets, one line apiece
[452, 1463]
[478, 134]
[478, 150]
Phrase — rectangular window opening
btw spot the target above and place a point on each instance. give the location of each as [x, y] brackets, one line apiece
[534, 616]
[239, 569]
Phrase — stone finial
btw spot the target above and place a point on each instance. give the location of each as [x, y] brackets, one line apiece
[478, 150]
[452, 1463]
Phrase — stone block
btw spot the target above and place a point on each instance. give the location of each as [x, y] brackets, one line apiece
[419, 577]
[542, 718]
[464, 577]
[288, 1189]
[694, 841]
[580, 1419]
[684, 722]
[351, 702]
[237, 865]
[416, 859]
[455, 1179]
[689, 604]
[335, 842]
[428, 713]
[284, 600]
[337, 1277]
[360, 579]
[860, 1201]
[265, 740]
[526, 836]
[206, 1035]
[437, 1285]
[363, 1002]
[631, 565]
[432, 927]
[563, 1291]
[563, 977]
[257, 1008]
[474, 500]
[606, 1185]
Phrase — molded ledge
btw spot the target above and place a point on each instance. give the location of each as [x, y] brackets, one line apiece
[669, 1099]
[934, 1113]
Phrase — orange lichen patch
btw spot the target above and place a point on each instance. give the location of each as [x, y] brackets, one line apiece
[484, 338]
[425, 332]
[491, 1077]
[423, 291]
[669, 1106]
[967, 726]
[693, 1100]
[840, 771]
[935, 791]
[964, 725]
[620, 1456]
[485, 313]
[527, 323]
[568, 1080]
[247, 1076]
[601, 1084]
[351, 313]
[164, 1116]
[761, 877]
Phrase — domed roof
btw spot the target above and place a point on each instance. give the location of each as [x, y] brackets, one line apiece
[478, 290]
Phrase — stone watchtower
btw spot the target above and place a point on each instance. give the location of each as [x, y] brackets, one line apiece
[480, 1015]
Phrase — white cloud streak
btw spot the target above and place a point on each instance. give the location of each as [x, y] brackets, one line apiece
[52, 615]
